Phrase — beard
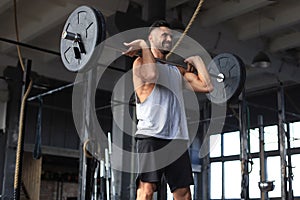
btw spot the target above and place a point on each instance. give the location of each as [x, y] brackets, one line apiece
[164, 52]
[165, 47]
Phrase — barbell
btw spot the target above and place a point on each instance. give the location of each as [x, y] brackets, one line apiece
[85, 29]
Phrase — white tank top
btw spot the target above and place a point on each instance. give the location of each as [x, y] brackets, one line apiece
[162, 114]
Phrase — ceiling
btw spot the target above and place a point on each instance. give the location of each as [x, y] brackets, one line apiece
[242, 27]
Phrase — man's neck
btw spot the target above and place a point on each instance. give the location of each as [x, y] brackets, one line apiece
[157, 54]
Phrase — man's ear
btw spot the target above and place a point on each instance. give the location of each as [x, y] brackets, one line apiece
[150, 38]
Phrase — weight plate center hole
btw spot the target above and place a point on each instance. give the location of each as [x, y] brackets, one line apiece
[220, 78]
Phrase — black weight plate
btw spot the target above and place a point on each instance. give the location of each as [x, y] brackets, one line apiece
[233, 69]
[89, 23]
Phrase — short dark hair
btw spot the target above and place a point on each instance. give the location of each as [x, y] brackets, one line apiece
[158, 23]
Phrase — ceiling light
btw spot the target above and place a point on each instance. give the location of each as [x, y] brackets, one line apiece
[261, 60]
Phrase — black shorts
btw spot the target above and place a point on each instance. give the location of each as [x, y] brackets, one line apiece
[178, 173]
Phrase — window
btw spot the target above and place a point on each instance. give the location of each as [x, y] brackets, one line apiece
[296, 172]
[274, 174]
[254, 178]
[295, 134]
[215, 145]
[254, 140]
[232, 179]
[224, 152]
[271, 138]
[231, 143]
[216, 180]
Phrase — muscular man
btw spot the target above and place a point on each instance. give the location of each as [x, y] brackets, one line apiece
[160, 110]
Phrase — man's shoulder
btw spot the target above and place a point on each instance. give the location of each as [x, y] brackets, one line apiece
[137, 62]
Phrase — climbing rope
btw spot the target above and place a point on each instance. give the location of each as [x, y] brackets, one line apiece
[18, 169]
[187, 27]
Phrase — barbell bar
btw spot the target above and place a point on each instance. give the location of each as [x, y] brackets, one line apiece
[75, 37]
[85, 29]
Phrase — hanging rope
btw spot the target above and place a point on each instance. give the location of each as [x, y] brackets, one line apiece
[17, 35]
[37, 151]
[18, 168]
[187, 27]
[20, 138]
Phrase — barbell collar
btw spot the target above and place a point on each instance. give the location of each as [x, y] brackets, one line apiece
[69, 36]
[220, 77]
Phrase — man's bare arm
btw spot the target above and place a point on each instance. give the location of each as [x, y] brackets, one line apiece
[200, 82]
[145, 66]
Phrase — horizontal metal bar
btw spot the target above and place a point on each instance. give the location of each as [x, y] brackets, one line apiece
[220, 76]
[209, 119]
[252, 155]
[180, 65]
[52, 91]
[29, 46]
[272, 109]
[45, 50]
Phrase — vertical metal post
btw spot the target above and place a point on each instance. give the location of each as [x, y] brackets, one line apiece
[263, 175]
[102, 181]
[11, 135]
[122, 124]
[20, 146]
[3, 128]
[281, 132]
[132, 195]
[244, 146]
[204, 188]
[82, 158]
[96, 173]
[223, 169]
[290, 166]
[82, 174]
[197, 187]
[108, 174]
[86, 164]
[197, 163]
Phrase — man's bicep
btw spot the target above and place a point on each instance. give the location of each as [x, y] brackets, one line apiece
[138, 82]
[189, 80]
[194, 83]
[136, 67]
